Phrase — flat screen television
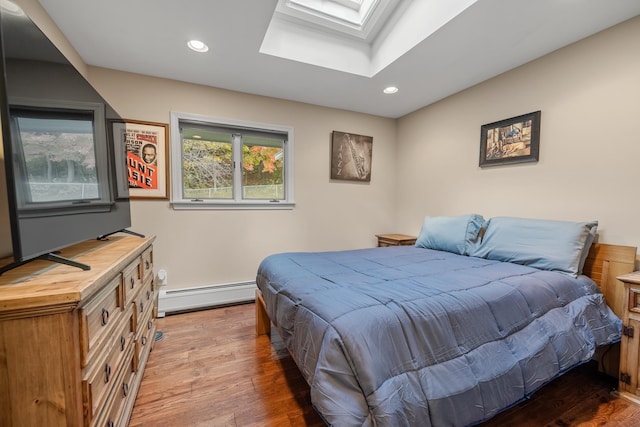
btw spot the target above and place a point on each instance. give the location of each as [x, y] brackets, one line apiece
[62, 177]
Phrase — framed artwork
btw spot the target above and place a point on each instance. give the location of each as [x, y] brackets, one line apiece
[514, 140]
[351, 156]
[147, 153]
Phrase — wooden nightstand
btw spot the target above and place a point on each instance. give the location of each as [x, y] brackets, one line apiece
[395, 240]
[629, 379]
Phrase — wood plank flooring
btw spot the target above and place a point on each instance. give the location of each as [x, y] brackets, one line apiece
[211, 370]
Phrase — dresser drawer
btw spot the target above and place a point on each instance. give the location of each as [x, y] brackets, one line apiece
[112, 414]
[634, 298]
[131, 280]
[145, 338]
[144, 301]
[147, 263]
[102, 372]
[98, 318]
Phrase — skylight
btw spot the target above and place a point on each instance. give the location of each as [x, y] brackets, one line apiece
[355, 36]
[357, 18]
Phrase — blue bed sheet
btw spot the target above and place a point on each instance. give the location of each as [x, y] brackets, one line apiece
[406, 336]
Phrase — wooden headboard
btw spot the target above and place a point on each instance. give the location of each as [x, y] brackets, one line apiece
[606, 262]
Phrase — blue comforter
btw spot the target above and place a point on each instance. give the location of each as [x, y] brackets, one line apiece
[406, 336]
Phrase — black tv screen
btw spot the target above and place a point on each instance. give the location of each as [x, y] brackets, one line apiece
[62, 180]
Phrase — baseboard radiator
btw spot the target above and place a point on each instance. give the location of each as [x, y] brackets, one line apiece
[197, 298]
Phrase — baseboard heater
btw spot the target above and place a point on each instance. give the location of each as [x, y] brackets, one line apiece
[186, 299]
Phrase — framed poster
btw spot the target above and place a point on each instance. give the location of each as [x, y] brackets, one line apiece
[351, 156]
[147, 157]
[513, 140]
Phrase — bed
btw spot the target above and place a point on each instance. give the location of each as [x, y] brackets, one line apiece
[472, 320]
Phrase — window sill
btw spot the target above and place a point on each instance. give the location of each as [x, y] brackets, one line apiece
[232, 205]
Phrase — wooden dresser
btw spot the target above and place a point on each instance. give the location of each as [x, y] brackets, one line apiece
[74, 343]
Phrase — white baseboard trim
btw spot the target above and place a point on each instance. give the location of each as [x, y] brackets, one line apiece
[205, 296]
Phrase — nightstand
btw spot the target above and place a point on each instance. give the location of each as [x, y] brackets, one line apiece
[395, 240]
[629, 379]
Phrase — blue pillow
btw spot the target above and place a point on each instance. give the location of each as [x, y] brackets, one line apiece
[455, 234]
[543, 244]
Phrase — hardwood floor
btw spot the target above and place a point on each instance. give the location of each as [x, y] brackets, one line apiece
[211, 370]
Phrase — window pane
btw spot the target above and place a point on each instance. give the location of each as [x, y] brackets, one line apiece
[207, 165]
[262, 168]
[220, 164]
[59, 157]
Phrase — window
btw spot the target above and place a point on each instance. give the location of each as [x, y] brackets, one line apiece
[223, 164]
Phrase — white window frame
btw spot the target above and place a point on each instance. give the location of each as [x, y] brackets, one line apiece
[178, 201]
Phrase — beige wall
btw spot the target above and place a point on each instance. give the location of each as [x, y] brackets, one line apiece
[589, 95]
[216, 247]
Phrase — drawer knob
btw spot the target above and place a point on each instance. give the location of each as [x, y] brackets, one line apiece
[149, 324]
[125, 389]
[109, 424]
[132, 281]
[146, 264]
[123, 341]
[144, 340]
[148, 294]
[141, 306]
[107, 373]
[105, 316]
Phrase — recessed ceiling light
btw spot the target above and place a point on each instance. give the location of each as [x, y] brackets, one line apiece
[390, 90]
[197, 46]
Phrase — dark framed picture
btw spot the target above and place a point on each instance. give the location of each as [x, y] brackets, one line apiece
[514, 140]
[351, 156]
[147, 153]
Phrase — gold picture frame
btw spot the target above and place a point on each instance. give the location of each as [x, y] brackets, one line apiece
[147, 157]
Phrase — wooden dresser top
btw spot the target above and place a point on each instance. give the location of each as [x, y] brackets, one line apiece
[40, 284]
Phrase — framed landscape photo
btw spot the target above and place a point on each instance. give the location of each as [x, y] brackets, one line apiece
[351, 156]
[514, 140]
[147, 155]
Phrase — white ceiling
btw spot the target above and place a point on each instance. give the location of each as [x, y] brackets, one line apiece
[429, 49]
